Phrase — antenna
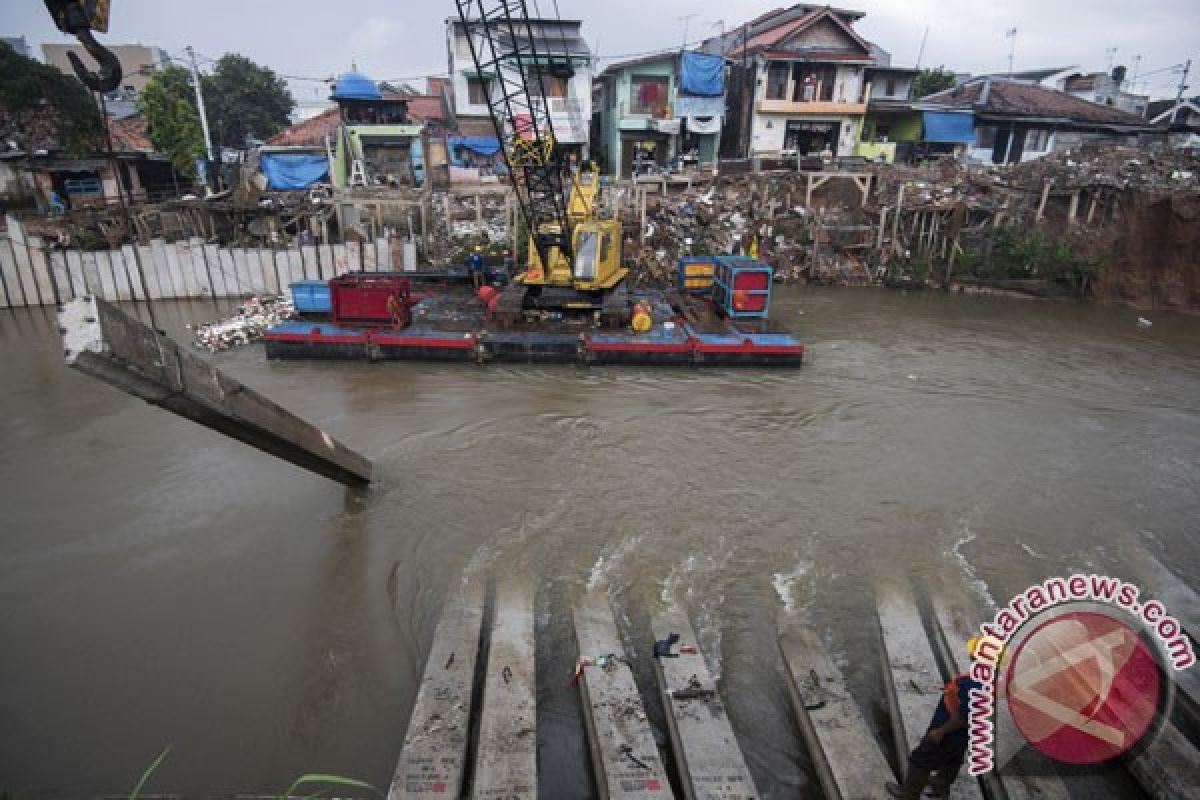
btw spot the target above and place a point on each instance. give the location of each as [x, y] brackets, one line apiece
[1111, 54]
[685, 19]
[1183, 87]
[1137, 65]
[921, 52]
[1011, 35]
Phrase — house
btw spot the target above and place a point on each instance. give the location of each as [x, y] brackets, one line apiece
[658, 109]
[1016, 121]
[1179, 120]
[1105, 89]
[890, 119]
[565, 70]
[798, 82]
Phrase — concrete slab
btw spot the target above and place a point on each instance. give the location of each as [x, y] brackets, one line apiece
[625, 757]
[506, 761]
[911, 676]
[433, 761]
[847, 758]
[707, 754]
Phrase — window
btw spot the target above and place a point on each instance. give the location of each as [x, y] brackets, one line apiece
[1037, 140]
[648, 95]
[585, 255]
[813, 83]
[475, 93]
[890, 87]
[777, 81]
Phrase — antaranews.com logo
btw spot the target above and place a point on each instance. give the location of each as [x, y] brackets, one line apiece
[1083, 666]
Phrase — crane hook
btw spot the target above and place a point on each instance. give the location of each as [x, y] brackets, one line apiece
[73, 18]
[109, 75]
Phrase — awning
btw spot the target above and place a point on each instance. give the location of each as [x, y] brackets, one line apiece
[484, 145]
[949, 127]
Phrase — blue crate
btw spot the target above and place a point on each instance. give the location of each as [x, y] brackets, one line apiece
[311, 297]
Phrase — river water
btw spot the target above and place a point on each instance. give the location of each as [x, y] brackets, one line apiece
[162, 586]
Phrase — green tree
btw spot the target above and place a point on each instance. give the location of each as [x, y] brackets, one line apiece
[244, 100]
[37, 103]
[171, 117]
[929, 81]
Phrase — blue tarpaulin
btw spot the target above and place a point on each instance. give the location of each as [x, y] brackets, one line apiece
[286, 171]
[484, 145]
[702, 74]
[941, 126]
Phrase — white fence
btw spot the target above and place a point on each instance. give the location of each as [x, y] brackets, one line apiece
[34, 273]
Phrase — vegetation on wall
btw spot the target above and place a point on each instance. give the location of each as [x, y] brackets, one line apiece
[41, 107]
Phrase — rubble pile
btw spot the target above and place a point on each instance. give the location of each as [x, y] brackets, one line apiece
[1156, 170]
[252, 320]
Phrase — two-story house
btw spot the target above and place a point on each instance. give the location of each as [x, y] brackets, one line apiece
[659, 109]
[798, 82]
[565, 69]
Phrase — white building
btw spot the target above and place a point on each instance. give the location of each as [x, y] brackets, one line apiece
[1105, 89]
[566, 73]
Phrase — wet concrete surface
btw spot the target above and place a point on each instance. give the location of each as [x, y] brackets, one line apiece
[160, 585]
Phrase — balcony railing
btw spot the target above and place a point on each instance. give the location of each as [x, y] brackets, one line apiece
[628, 110]
[838, 105]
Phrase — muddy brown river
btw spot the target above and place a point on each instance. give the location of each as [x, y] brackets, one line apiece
[163, 586]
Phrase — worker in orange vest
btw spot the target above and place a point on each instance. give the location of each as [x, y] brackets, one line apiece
[936, 761]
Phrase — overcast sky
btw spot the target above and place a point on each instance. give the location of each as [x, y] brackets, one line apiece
[406, 38]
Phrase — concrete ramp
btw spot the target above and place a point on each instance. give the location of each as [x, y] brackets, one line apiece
[911, 676]
[433, 761]
[707, 755]
[506, 761]
[625, 758]
[845, 753]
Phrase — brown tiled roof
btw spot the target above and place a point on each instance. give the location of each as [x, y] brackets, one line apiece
[773, 36]
[310, 132]
[1025, 100]
[130, 134]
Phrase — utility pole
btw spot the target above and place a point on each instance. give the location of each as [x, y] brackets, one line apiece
[1187, 67]
[208, 149]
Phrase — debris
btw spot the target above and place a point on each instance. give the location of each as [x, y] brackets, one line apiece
[252, 320]
[1142, 322]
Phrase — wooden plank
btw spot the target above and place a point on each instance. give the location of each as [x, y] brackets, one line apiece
[132, 275]
[296, 265]
[91, 274]
[25, 268]
[433, 760]
[13, 297]
[120, 276]
[180, 257]
[312, 270]
[911, 676]
[159, 266]
[383, 255]
[707, 754]
[625, 758]
[145, 255]
[62, 278]
[200, 267]
[341, 260]
[506, 763]
[848, 760]
[325, 253]
[233, 281]
[40, 265]
[266, 265]
[107, 280]
[1025, 773]
[212, 260]
[75, 272]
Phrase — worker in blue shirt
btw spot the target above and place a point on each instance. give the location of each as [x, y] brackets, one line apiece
[475, 266]
[937, 760]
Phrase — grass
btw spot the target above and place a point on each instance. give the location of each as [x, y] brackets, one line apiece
[314, 779]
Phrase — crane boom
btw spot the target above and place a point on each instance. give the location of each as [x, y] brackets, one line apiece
[505, 49]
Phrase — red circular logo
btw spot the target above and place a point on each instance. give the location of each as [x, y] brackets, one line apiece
[1083, 687]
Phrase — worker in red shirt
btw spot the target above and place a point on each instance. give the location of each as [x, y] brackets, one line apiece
[936, 761]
